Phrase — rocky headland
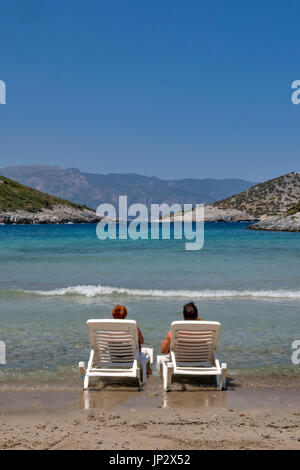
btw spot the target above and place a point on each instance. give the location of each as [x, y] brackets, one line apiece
[58, 215]
[290, 223]
[22, 205]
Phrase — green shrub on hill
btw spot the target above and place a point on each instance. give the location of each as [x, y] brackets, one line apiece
[15, 196]
[294, 210]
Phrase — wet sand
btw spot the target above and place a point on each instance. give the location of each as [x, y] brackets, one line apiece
[256, 413]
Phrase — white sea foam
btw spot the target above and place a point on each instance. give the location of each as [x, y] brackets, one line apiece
[101, 291]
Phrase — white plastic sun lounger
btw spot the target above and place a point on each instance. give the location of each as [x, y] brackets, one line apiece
[192, 352]
[115, 352]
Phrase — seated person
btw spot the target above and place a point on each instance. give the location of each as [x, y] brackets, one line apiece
[190, 312]
[120, 313]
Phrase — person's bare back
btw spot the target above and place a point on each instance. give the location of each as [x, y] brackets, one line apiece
[190, 312]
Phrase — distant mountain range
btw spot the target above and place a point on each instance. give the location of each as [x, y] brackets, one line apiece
[93, 189]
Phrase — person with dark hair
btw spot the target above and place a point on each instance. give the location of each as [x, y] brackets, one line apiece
[190, 312]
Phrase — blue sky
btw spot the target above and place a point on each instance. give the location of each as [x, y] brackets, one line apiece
[166, 88]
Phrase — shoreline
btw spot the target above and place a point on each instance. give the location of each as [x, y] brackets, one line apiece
[68, 379]
[257, 225]
[59, 214]
[260, 415]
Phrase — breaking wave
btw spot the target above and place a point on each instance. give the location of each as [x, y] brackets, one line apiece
[101, 291]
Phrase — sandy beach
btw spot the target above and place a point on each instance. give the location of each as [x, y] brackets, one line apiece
[254, 413]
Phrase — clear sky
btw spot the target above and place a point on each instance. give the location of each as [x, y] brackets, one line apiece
[169, 88]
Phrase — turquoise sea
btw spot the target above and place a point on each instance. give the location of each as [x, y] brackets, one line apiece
[55, 277]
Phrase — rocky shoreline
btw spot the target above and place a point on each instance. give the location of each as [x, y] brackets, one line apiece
[289, 223]
[212, 214]
[60, 214]
[63, 214]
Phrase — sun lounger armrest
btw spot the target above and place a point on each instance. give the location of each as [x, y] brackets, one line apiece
[149, 352]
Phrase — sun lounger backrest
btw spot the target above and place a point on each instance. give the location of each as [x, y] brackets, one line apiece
[194, 341]
[114, 341]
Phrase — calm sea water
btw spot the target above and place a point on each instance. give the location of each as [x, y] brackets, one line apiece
[53, 278]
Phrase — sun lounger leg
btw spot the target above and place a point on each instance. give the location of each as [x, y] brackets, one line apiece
[224, 374]
[219, 382]
[87, 379]
[143, 372]
[159, 362]
[145, 364]
[86, 382]
[167, 375]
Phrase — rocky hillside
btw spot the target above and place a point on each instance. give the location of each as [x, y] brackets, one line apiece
[94, 189]
[273, 197]
[22, 205]
[15, 196]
